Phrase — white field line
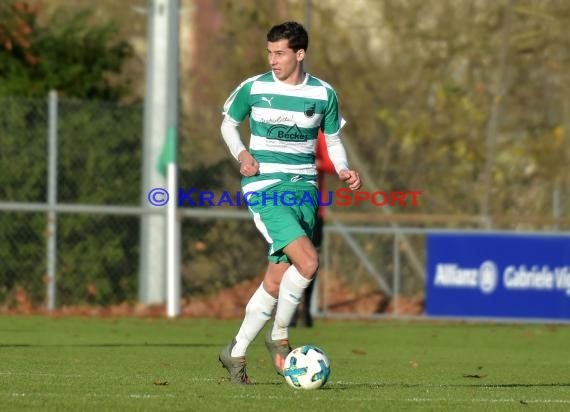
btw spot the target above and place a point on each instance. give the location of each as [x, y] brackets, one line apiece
[411, 400]
[94, 395]
[41, 374]
[61, 375]
[285, 397]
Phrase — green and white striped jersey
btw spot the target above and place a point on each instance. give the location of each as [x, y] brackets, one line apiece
[284, 121]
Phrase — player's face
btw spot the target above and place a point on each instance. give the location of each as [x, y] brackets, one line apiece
[284, 62]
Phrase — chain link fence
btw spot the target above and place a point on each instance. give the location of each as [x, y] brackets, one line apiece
[23, 131]
[98, 163]
[96, 230]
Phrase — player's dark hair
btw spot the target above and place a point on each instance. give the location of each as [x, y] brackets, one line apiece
[292, 31]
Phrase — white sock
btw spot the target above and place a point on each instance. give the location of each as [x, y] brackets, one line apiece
[291, 291]
[257, 312]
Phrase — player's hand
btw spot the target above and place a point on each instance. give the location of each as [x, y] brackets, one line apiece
[351, 178]
[248, 166]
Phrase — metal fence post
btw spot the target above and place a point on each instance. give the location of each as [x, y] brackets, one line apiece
[556, 209]
[396, 255]
[52, 200]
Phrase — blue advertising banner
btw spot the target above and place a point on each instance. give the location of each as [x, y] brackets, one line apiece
[498, 275]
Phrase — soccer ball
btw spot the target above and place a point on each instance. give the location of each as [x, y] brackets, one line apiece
[307, 367]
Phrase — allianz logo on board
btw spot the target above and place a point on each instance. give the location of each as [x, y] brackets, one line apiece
[486, 277]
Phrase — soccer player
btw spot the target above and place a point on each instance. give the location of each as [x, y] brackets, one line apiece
[286, 108]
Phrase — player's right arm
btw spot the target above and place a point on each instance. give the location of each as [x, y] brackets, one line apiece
[236, 108]
[230, 132]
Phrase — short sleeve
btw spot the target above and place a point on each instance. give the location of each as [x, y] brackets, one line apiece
[237, 106]
[332, 120]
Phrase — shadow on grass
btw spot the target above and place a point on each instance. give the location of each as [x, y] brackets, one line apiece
[351, 385]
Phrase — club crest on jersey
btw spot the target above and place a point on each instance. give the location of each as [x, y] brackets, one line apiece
[310, 109]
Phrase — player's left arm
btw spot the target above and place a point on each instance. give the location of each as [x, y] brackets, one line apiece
[331, 126]
[337, 154]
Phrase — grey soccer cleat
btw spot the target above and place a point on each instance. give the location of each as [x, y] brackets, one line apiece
[279, 349]
[235, 366]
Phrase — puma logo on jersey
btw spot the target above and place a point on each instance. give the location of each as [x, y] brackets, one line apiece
[266, 99]
[296, 179]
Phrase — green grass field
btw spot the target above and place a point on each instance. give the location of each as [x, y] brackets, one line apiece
[158, 364]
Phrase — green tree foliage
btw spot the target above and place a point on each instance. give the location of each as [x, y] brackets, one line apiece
[68, 54]
[462, 100]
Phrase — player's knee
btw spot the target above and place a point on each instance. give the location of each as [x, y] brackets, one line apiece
[271, 287]
[308, 266]
[253, 307]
